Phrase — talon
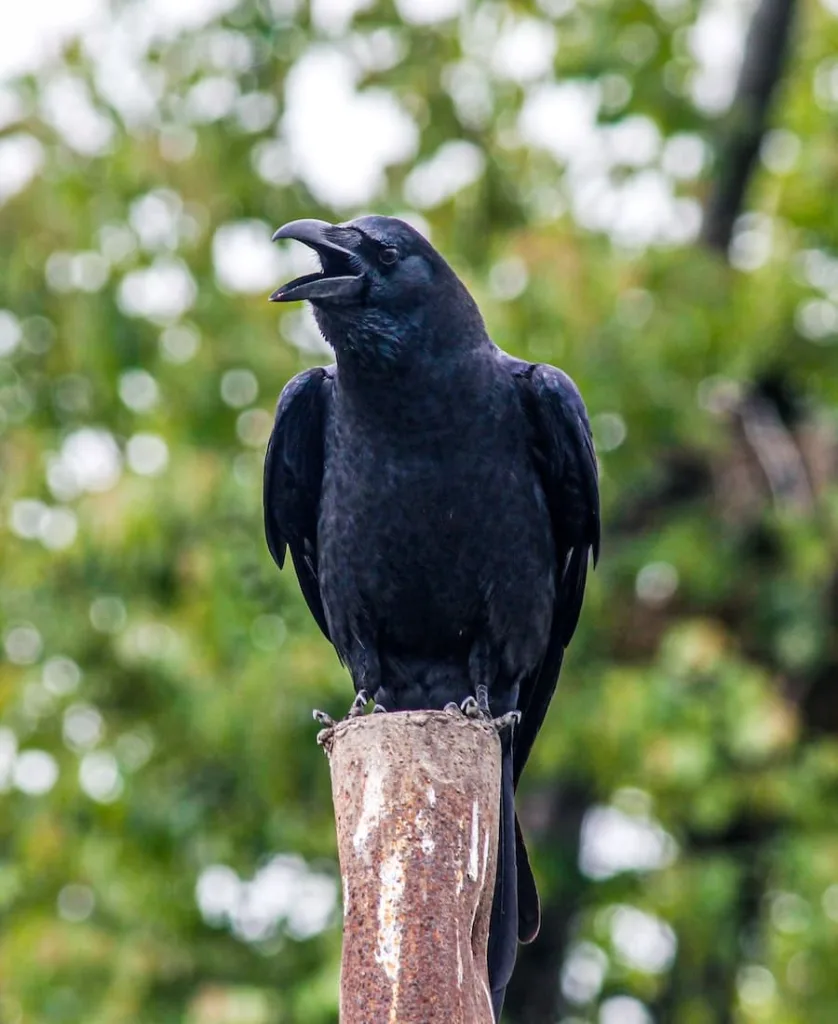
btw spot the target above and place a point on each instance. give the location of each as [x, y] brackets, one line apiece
[379, 709]
[508, 721]
[357, 706]
[470, 708]
[452, 708]
[323, 719]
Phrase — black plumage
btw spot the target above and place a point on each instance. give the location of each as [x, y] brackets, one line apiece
[440, 502]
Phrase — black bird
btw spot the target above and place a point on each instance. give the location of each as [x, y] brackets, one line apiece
[440, 500]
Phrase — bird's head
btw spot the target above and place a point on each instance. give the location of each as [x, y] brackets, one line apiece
[380, 283]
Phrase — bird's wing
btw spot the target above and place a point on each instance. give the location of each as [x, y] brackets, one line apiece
[563, 452]
[294, 476]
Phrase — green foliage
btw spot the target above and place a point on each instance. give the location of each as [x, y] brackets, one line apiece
[155, 697]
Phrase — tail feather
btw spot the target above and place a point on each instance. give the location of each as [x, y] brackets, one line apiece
[529, 905]
[504, 928]
[516, 911]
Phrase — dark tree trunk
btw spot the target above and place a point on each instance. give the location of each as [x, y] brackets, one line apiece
[534, 994]
[765, 52]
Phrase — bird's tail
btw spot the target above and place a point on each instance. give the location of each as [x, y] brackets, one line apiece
[503, 930]
[529, 905]
[516, 912]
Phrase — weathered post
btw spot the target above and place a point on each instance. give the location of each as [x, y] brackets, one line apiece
[416, 798]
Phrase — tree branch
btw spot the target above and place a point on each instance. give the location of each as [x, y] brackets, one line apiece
[762, 65]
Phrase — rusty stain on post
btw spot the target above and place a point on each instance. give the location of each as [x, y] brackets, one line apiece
[416, 798]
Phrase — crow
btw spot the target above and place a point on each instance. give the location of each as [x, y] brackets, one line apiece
[440, 500]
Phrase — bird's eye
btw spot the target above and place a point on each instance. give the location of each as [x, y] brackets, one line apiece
[388, 256]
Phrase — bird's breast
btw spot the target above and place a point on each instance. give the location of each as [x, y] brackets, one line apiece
[420, 536]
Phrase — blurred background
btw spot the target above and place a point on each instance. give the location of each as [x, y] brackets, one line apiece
[643, 192]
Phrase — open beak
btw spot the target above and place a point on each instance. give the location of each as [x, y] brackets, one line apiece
[341, 276]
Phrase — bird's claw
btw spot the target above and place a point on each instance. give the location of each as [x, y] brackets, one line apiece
[323, 719]
[356, 708]
[475, 710]
[471, 709]
[379, 709]
[508, 721]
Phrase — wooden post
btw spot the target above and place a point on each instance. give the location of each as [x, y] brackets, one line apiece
[416, 798]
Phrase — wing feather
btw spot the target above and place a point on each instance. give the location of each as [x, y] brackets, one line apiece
[294, 477]
[563, 451]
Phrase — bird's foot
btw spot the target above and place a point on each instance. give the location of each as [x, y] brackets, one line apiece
[508, 721]
[323, 719]
[471, 709]
[356, 708]
[379, 709]
[328, 724]
[475, 709]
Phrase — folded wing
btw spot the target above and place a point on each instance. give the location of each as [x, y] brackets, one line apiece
[294, 477]
[563, 451]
